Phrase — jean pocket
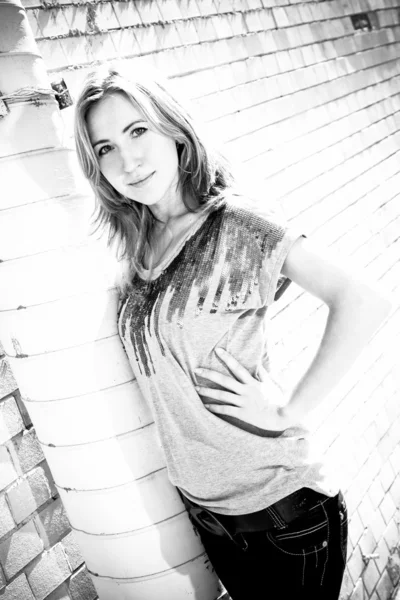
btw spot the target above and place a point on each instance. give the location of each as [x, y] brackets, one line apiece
[299, 539]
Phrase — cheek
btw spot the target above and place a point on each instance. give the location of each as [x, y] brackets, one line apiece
[169, 158]
[108, 170]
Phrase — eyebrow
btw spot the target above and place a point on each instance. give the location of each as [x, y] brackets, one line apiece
[125, 129]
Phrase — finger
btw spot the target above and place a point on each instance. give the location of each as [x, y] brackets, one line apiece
[234, 366]
[225, 381]
[221, 395]
[224, 409]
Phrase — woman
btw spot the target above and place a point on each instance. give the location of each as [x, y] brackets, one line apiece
[201, 272]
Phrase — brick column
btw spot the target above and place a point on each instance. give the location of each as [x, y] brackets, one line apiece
[58, 329]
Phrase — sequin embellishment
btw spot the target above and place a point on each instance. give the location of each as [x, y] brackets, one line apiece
[238, 239]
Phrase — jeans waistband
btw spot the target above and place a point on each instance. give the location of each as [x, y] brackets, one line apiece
[276, 516]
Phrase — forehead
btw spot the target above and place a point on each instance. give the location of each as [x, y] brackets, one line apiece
[111, 115]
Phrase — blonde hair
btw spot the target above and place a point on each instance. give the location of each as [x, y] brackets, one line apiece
[204, 174]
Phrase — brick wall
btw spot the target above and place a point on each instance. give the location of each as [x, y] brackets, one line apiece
[306, 96]
[38, 554]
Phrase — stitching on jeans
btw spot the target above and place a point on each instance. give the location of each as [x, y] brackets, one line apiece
[297, 534]
[279, 522]
[293, 536]
[327, 546]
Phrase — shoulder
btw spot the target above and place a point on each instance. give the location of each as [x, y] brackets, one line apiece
[252, 216]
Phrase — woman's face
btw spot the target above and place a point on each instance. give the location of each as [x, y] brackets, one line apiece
[138, 162]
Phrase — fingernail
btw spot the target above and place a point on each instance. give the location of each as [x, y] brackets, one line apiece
[220, 350]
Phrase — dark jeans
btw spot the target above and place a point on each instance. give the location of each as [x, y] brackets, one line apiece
[305, 560]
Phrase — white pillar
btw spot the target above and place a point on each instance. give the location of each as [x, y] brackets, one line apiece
[58, 327]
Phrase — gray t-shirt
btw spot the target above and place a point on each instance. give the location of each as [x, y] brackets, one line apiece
[213, 291]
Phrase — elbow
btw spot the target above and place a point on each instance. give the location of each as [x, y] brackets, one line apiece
[365, 303]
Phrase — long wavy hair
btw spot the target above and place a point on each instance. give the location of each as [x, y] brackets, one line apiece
[204, 174]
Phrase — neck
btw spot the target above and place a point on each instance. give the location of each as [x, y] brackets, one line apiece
[172, 207]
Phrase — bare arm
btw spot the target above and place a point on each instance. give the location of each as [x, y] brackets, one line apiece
[356, 310]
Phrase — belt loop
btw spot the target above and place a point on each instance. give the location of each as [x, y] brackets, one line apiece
[244, 545]
[275, 516]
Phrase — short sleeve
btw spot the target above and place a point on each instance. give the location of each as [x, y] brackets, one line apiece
[280, 240]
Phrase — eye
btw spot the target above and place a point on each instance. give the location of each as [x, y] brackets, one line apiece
[138, 131]
[104, 150]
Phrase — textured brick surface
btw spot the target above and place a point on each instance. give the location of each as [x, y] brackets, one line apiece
[7, 471]
[10, 420]
[7, 381]
[18, 590]
[6, 520]
[72, 551]
[52, 523]
[28, 493]
[28, 450]
[18, 550]
[48, 572]
[61, 593]
[81, 586]
[2, 580]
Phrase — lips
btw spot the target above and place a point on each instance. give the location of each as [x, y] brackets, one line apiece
[140, 182]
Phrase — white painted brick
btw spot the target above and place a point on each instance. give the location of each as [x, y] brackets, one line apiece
[52, 52]
[170, 10]
[75, 17]
[81, 586]
[33, 22]
[188, 33]
[60, 593]
[147, 39]
[127, 14]
[355, 564]
[148, 11]
[125, 42]
[254, 4]
[48, 572]
[28, 493]
[106, 17]
[387, 476]
[72, 551]
[7, 472]
[21, 500]
[52, 523]
[27, 450]
[7, 381]
[391, 535]
[207, 7]
[356, 528]
[384, 586]
[19, 549]
[370, 577]
[2, 580]
[6, 520]
[387, 508]
[366, 511]
[383, 552]
[11, 422]
[18, 590]
[102, 46]
[190, 9]
[51, 22]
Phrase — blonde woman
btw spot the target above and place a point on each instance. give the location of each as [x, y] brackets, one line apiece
[202, 272]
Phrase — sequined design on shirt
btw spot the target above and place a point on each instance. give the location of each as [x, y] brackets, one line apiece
[240, 238]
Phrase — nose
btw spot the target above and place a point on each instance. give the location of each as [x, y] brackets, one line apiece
[130, 159]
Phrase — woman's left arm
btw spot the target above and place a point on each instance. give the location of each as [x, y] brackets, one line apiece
[356, 310]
